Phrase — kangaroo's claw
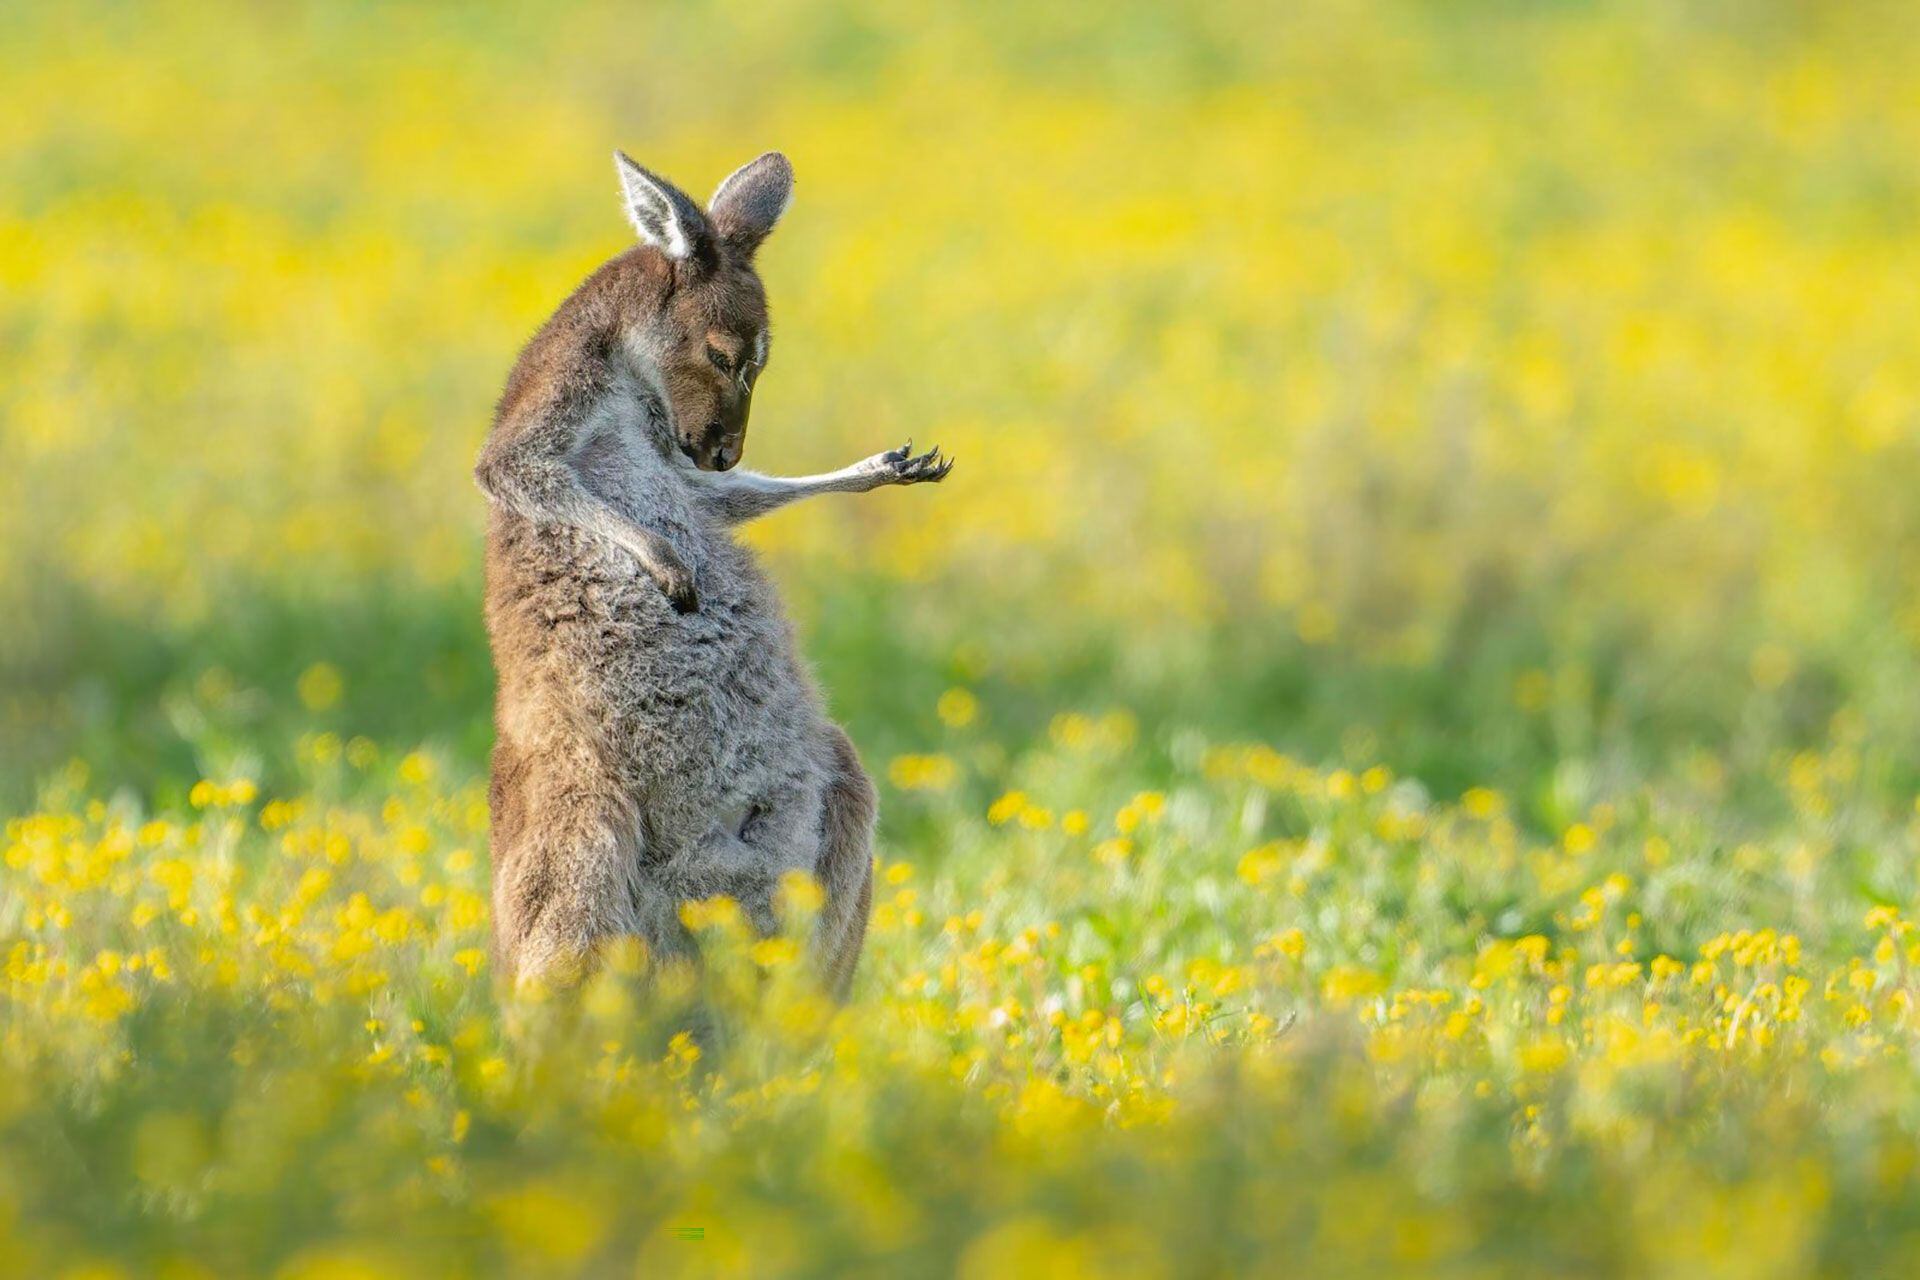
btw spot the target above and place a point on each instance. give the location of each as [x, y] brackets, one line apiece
[905, 467]
[676, 580]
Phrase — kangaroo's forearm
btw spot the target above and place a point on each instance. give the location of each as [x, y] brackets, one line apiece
[532, 475]
[739, 496]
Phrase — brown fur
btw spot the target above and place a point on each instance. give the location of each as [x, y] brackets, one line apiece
[659, 739]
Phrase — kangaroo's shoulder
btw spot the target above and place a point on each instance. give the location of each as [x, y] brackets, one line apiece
[570, 362]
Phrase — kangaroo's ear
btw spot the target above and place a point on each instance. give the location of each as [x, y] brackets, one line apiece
[664, 215]
[751, 199]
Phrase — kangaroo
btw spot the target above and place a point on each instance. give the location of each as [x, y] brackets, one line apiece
[657, 738]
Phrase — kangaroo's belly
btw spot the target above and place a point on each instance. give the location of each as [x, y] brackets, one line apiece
[702, 715]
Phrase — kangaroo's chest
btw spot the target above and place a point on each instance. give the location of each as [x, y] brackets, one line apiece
[704, 697]
[620, 463]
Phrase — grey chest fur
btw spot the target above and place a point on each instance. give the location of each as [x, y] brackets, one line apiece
[706, 712]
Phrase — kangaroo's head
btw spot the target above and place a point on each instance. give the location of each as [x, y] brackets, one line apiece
[708, 338]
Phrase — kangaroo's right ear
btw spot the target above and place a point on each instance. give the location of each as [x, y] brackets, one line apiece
[663, 214]
[750, 200]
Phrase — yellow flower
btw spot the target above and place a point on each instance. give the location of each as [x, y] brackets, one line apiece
[1291, 943]
[1543, 1054]
[1343, 984]
[1008, 807]
[1145, 806]
[548, 1220]
[923, 772]
[958, 708]
[722, 914]
[800, 892]
[320, 686]
[1260, 864]
[1482, 802]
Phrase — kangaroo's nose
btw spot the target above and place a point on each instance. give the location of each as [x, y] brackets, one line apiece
[728, 455]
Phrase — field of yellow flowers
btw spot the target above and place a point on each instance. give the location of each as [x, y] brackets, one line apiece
[1399, 742]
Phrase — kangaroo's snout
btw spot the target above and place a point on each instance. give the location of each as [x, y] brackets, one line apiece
[733, 430]
[720, 445]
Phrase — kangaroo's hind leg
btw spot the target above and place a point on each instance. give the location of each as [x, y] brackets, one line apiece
[566, 866]
[845, 869]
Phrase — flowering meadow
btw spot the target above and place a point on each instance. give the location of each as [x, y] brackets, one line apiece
[1399, 741]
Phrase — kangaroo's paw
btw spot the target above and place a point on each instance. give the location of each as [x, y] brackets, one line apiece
[903, 466]
[676, 580]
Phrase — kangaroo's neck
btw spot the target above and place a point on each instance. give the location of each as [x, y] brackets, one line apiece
[635, 375]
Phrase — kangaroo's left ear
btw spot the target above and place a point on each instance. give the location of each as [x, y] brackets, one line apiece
[751, 199]
[665, 216]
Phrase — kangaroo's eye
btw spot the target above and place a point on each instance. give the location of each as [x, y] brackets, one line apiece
[719, 359]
